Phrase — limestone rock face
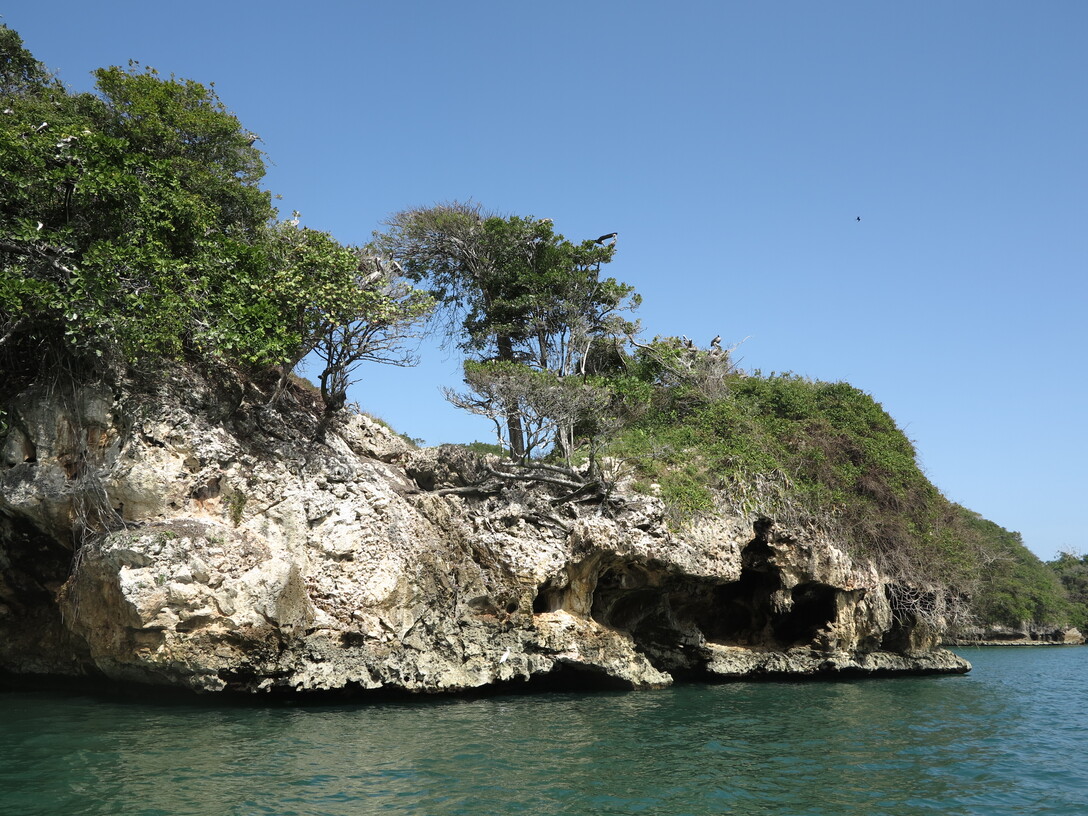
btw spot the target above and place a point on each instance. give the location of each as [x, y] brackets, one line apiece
[185, 533]
[1026, 634]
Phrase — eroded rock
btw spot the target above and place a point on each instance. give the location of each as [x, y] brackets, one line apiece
[192, 536]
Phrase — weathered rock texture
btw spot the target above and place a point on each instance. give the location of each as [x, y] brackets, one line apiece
[241, 555]
[1027, 634]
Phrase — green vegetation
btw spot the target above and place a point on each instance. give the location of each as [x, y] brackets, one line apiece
[827, 455]
[1072, 571]
[133, 229]
[526, 300]
[807, 452]
[1013, 585]
[486, 448]
[236, 505]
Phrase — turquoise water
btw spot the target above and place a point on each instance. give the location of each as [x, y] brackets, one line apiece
[1007, 739]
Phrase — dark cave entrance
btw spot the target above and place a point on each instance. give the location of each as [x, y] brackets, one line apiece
[34, 567]
[739, 613]
[549, 598]
[629, 598]
[671, 617]
[813, 610]
[910, 608]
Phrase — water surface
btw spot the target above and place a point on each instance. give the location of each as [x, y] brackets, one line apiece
[1006, 739]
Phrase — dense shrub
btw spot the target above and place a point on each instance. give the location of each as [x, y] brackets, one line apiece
[1014, 586]
[828, 455]
[133, 227]
[1072, 571]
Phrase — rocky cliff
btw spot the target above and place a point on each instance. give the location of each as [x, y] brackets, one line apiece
[185, 533]
[1026, 634]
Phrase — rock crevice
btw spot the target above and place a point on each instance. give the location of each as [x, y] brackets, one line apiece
[158, 534]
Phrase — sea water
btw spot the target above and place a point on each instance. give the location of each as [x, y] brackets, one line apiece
[1009, 738]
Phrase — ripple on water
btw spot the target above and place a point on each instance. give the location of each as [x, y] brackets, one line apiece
[1005, 739]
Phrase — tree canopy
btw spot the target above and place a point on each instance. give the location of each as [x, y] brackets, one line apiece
[133, 224]
[515, 293]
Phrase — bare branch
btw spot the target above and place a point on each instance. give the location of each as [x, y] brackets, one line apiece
[35, 252]
[15, 329]
[529, 477]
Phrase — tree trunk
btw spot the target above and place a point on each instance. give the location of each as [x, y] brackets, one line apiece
[505, 346]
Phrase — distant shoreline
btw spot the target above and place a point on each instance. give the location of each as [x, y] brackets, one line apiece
[964, 643]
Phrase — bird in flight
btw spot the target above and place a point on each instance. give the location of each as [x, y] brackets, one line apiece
[859, 218]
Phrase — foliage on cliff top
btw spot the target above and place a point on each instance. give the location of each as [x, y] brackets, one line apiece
[828, 455]
[133, 226]
[788, 446]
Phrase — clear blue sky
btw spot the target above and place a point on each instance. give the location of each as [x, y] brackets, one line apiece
[732, 146]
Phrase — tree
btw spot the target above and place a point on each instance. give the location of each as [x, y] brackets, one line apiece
[20, 73]
[1072, 571]
[512, 291]
[133, 226]
[34, 184]
[548, 406]
[377, 333]
[690, 373]
[183, 127]
[123, 212]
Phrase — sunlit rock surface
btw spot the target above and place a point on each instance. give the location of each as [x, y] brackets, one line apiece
[1026, 634]
[187, 534]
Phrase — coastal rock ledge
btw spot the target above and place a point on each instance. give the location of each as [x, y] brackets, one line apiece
[183, 532]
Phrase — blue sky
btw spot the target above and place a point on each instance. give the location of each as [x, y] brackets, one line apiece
[732, 146]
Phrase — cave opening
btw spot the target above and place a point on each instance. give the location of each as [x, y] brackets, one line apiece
[668, 615]
[898, 637]
[549, 598]
[739, 613]
[621, 599]
[35, 564]
[904, 620]
[34, 567]
[813, 610]
[574, 677]
[673, 618]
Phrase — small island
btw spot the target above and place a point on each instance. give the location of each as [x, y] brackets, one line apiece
[179, 508]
